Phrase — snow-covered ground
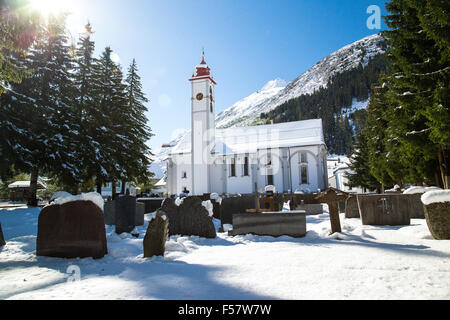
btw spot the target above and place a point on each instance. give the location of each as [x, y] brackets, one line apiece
[363, 262]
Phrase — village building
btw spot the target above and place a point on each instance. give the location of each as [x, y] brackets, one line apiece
[290, 156]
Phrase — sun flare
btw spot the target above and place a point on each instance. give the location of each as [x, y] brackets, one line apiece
[48, 7]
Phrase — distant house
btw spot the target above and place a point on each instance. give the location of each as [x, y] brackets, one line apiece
[130, 189]
[160, 188]
[338, 171]
[19, 191]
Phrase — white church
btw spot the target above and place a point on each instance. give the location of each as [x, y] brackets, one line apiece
[290, 156]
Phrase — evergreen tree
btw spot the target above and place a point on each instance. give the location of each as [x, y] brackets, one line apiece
[137, 132]
[360, 175]
[84, 103]
[19, 27]
[37, 111]
[418, 86]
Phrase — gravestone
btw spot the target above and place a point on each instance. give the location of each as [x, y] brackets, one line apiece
[190, 218]
[125, 214]
[140, 212]
[332, 197]
[2, 238]
[72, 230]
[151, 204]
[274, 224]
[235, 205]
[156, 236]
[351, 208]
[384, 209]
[438, 220]
[416, 206]
[109, 211]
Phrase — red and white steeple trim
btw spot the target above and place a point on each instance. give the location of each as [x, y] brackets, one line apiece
[202, 71]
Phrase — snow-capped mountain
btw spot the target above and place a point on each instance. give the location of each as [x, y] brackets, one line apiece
[346, 58]
[158, 166]
[249, 105]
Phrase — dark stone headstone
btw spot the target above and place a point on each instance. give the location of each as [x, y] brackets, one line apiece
[2, 238]
[156, 236]
[125, 214]
[109, 211]
[71, 230]
[291, 224]
[416, 206]
[236, 205]
[140, 212]
[351, 208]
[151, 204]
[190, 218]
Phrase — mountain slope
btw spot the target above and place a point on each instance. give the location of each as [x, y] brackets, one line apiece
[249, 105]
[346, 58]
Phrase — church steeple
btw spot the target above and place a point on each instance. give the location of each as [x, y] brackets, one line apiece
[203, 127]
[202, 70]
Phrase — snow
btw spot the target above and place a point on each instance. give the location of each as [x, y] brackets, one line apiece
[216, 197]
[418, 189]
[361, 262]
[316, 77]
[437, 196]
[95, 197]
[179, 201]
[209, 207]
[60, 194]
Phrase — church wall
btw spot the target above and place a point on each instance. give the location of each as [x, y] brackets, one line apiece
[182, 169]
[313, 165]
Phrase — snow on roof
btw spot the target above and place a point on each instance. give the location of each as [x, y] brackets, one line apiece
[26, 184]
[418, 189]
[240, 140]
[161, 183]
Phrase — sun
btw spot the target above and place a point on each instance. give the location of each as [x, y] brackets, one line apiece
[49, 7]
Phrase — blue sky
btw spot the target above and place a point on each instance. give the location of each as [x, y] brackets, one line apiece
[247, 43]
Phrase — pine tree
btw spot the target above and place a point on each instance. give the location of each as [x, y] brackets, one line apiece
[19, 27]
[84, 102]
[37, 111]
[359, 166]
[418, 85]
[138, 132]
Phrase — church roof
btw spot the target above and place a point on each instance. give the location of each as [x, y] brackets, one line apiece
[241, 140]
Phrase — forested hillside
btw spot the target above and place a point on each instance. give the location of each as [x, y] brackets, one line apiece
[340, 104]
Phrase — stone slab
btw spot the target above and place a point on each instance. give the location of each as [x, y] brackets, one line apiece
[270, 224]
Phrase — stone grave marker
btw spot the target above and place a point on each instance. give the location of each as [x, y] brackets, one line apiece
[156, 236]
[190, 218]
[332, 197]
[384, 209]
[109, 211]
[125, 215]
[2, 238]
[72, 230]
[140, 212]
[351, 208]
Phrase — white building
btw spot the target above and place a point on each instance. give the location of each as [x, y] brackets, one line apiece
[338, 171]
[291, 156]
